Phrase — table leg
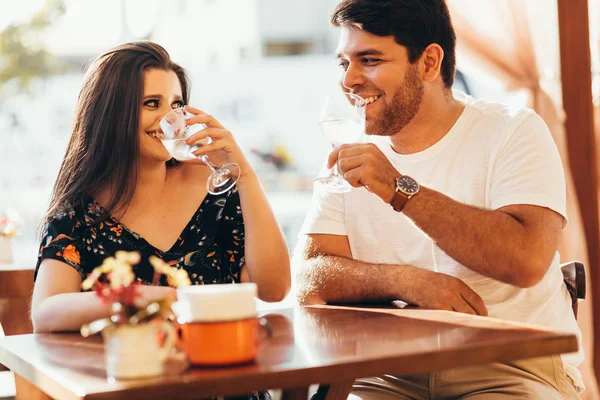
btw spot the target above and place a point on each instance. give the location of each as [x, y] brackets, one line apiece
[294, 394]
[334, 391]
[27, 391]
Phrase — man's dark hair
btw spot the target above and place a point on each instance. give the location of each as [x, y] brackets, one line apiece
[415, 24]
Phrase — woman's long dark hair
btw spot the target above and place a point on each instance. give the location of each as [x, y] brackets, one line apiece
[105, 145]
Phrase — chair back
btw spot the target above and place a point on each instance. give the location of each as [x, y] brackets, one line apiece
[574, 278]
[16, 288]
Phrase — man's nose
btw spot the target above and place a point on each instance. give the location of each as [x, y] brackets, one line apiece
[352, 77]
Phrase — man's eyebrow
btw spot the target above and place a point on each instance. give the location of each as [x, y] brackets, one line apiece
[362, 53]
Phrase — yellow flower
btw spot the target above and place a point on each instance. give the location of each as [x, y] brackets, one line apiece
[120, 271]
[121, 275]
[131, 257]
[159, 265]
[88, 283]
[179, 277]
[176, 277]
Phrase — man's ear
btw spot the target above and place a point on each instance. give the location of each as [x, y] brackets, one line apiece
[431, 62]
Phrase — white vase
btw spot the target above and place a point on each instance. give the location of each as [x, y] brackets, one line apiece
[6, 250]
[133, 351]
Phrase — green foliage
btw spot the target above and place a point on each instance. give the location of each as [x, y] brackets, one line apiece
[23, 57]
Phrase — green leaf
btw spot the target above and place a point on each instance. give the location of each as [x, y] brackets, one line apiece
[23, 57]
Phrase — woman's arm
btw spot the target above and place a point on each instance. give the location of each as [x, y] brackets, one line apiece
[266, 253]
[59, 305]
[267, 256]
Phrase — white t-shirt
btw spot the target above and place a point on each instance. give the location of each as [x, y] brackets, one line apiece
[493, 156]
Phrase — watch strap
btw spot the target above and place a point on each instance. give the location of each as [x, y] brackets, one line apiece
[399, 201]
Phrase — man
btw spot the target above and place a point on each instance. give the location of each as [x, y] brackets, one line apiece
[457, 204]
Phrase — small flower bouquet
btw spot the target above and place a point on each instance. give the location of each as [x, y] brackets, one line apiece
[115, 284]
[8, 227]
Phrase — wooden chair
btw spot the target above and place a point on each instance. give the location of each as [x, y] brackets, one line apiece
[16, 288]
[574, 278]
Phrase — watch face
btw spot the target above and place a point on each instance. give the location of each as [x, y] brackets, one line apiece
[407, 185]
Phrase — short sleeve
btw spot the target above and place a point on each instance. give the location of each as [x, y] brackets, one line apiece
[528, 169]
[231, 236]
[60, 242]
[326, 213]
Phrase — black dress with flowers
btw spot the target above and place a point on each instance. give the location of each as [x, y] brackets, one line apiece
[210, 248]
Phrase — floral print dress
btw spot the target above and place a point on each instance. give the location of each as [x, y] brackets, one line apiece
[210, 248]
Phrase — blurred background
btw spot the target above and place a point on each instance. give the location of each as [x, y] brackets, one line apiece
[262, 70]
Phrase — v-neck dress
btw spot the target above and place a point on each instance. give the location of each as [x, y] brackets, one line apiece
[210, 248]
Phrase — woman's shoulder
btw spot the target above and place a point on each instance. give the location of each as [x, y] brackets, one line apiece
[66, 235]
[75, 217]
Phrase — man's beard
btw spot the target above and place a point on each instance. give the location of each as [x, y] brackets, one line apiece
[402, 110]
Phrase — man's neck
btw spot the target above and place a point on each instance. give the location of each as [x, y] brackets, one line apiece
[436, 116]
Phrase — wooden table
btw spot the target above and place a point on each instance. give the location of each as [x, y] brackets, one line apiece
[328, 345]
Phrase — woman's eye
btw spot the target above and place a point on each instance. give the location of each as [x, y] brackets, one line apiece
[178, 104]
[151, 103]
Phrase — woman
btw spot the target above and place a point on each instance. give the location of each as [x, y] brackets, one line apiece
[119, 189]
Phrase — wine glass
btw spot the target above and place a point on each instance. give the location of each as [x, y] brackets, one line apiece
[175, 131]
[342, 121]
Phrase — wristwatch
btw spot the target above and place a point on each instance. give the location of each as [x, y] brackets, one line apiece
[406, 187]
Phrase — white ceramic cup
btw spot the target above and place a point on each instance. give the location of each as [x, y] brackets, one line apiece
[214, 303]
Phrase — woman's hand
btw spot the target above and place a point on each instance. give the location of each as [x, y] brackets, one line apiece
[148, 294]
[223, 148]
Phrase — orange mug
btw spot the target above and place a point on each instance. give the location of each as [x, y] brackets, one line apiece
[221, 342]
[218, 323]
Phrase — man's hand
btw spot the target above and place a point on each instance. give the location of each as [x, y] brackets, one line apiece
[365, 165]
[434, 290]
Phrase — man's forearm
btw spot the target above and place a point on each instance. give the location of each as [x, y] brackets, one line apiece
[492, 243]
[332, 279]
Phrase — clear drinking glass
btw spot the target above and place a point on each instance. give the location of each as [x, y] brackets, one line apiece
[342, 121]
[175, 131]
